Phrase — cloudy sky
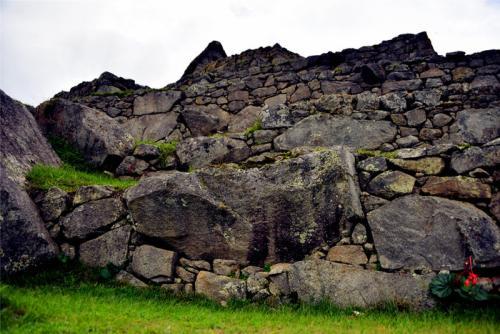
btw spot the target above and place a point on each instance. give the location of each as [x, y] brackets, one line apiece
[51, 45]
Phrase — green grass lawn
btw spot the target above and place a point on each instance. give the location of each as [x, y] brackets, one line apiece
[68, 303]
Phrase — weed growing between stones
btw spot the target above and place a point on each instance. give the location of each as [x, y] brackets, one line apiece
[376, 153]
[166, 149]
[257, 125]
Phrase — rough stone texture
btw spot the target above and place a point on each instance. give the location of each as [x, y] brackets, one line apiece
[284, 214]
[146, 151]
[415, 117]
[219, 288]
[25, 243]
[417, 232]
[428, 166]
[91, 217]
[52, 203]
[351, 286]
[393, 102]
[478, 126]
[203, 151]
[391, 184]
[99, 137]
[111, 247]
[474, 157]
[91, 193]
[275, 117]
[349, 254]
[204, 120]
[326, 130]
[341, 104]
[225, 267]
[152, 262]
[196, 264]
[495, 206]
[457, 186]
[373, 164]
[23, 144]
[156, 102]
[359, 235]
[151, 127]
[244, 119]
[214, 51]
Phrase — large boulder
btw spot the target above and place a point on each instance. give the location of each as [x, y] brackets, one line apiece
[25, 242]
[478, 126]
[99, 137]
[327, 130]
[425, 232]
[278, 212]
[351, 286]
[151, 127]
[23, 144]
[156, 102]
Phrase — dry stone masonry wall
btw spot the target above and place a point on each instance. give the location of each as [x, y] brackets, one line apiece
[363, 166]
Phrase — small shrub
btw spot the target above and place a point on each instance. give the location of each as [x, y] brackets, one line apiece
[267, 267]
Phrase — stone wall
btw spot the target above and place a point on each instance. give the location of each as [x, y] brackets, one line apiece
[378, 164]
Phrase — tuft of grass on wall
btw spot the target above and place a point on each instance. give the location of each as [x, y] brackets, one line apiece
[166, 149]
[68, 178]
[68, 153]
[257, 125]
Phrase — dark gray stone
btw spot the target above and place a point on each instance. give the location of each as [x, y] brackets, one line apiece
[109, 248]
[99, 137]
[203, 151]
[417, 232]
[351, 286]
[283, 214]
[327, 130]
[91, 217]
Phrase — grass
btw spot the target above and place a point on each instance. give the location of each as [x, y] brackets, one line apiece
[69, 154]
[68, 178]
[257, 125]
[74, 173]
[166, 149]
[75, 301]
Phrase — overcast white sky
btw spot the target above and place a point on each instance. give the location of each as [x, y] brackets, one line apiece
[51, 45]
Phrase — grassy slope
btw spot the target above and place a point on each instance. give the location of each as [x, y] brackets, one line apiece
[65, 303]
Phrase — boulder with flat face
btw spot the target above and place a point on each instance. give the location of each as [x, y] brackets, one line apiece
[110, 247]
[478, 126]
[25, 242]
[101, 139]
[156, 102]
[326, 130]
[351, 286]
[278, 212]
[23, 144]
[426, 232]
[220, 288]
